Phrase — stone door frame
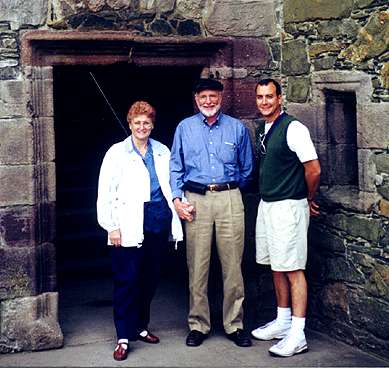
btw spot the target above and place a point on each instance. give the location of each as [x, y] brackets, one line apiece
[30, 319]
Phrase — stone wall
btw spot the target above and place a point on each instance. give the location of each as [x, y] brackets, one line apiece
[312, 45]
[343, 46]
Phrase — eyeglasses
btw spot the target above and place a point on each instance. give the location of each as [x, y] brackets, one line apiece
[262, 147]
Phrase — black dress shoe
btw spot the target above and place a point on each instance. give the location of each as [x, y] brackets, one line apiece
[195, 338]
[240, 338]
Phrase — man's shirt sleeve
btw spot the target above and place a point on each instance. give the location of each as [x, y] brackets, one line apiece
[177, 166]
[245, 159]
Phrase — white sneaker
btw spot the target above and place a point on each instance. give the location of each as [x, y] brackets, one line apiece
[271, 330]
[289, 346]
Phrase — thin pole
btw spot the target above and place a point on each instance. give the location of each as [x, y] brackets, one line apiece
[110, 106]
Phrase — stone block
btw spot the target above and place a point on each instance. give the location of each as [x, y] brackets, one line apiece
[294, 58]
[342, 269]
[325, 165]
[251, 52]
[17, 226]
[157, 6]
[244, 106]
[334, 301]
[370, 314]
[384, 207]
[382, 163]
[378, 284]
[324, 63]
[349, 198]
[343, 164]
[23, 13]
[191, 8]
[373, 39]
[298, 89]
[17, 272]
[379, 136]
[324, 239]
[31, 323]
[316, 49]
[383, 189]
[188, 27]
[305, 10]
[46, 263]
[241, 19]
[45, 137]
[13, 101]
[366, 170]
[335, 28]
[17, 185]
[16, 146]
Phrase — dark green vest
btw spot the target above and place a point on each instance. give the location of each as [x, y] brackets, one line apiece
[281, 174]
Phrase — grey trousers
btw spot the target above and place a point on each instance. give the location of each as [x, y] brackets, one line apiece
[225, 210]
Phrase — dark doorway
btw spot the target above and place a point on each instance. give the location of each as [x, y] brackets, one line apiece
[85, 128]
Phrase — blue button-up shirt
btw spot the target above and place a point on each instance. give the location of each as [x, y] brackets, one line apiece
[206, 154]
[155, 189]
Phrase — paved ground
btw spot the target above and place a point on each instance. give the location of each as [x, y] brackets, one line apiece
[86, 320]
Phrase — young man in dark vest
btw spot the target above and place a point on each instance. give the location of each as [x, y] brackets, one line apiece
[289, 174]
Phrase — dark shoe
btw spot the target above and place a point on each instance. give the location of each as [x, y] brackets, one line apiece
[240, 338]
[120, 352]
[195, 338]
[149, 338]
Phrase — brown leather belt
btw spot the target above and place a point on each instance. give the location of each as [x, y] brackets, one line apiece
[221, 187]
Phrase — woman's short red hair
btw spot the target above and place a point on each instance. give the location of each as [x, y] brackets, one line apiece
[141, 108]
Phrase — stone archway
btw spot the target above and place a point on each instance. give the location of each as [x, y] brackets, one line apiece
[29, 311]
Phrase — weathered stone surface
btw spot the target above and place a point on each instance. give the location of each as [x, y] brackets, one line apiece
[191, 8]
[9, 72]
[357, 226]
[16, 145]
[324, 239]
[304, 10]
[17, 272]
[162, 27]
[382, 162]
[363, 3]
[31, 323]
[383, 188]
[384, 207]
[23, 12]
[342, 269]
[95, 5]
[379, 281]
[294, 58]
[252, 18]
[298, 89]
[17, 226]
[373, 39]
[370, 314]
[366, 171]
[120, 4]
[251, 52]
[343, 161]
[333, 301]
[317, 49]
[384, 75]
[188, 28]
[157, 6]
[335, 28]
[13, 102]
[17, 185]
[324, 63]
[349, 198]
[243, 99]
[379, 136]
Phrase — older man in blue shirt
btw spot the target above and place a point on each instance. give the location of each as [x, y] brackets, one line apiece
[211, 160]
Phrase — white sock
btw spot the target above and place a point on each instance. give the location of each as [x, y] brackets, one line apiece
[123, 341]
[284, 316]
[298, 325]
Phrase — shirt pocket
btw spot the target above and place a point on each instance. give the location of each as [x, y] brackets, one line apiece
[228, 152]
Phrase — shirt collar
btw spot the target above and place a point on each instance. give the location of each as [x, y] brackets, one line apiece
[217, 122]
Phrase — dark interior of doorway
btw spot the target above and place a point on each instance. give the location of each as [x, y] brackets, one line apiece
[85, 128]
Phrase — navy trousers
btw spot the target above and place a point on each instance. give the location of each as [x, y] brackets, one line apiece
[136, 273]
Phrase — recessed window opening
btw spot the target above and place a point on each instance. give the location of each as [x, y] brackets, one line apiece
[341, 123]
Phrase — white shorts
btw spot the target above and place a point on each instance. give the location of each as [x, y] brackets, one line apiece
[281, 234]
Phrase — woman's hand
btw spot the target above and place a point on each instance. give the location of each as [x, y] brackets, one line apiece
[115, 237]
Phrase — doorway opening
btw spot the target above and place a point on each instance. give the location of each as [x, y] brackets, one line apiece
[85, 127]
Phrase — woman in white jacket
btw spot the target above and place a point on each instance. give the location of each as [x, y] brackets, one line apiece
[135, 207]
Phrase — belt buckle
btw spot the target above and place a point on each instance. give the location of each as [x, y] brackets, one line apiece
[212, 187]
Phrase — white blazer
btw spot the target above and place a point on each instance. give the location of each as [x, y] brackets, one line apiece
[124, 186]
